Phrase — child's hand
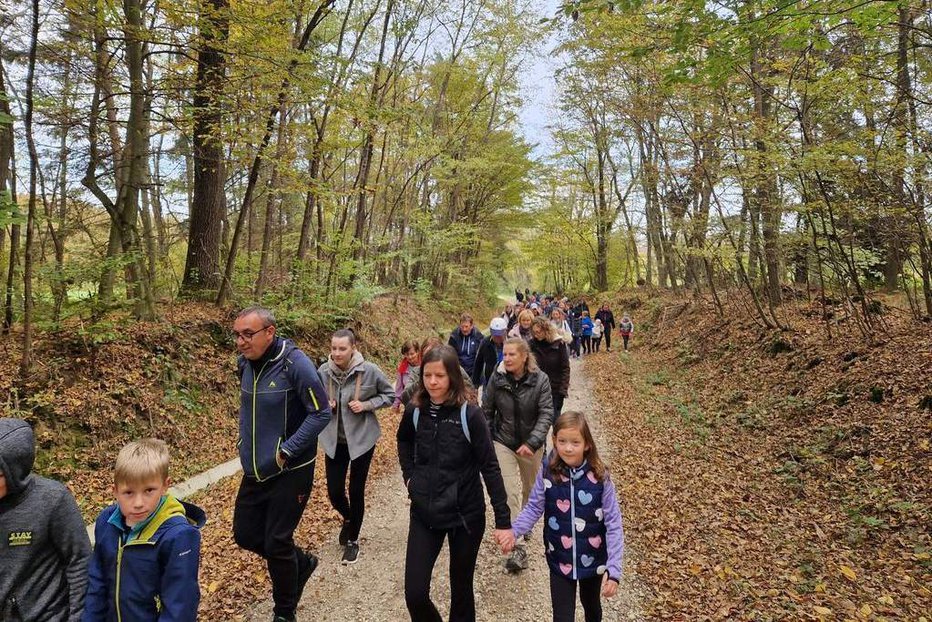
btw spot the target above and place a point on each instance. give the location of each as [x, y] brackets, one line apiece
[525, 451]
[609, 587]
[505, 539]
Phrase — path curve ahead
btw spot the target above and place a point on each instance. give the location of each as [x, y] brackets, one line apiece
[372, 590]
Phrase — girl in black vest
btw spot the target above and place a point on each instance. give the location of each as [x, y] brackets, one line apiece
[444, 444]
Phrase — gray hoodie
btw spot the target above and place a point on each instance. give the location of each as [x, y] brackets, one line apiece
[44, 548]
[361, 380]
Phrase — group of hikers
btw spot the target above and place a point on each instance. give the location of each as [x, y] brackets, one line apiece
[144, 563]
[581, 330]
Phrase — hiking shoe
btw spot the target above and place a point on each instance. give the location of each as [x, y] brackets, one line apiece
[284, 619]
[344, 533]
[517, 561]
[307, 564]
[350, 552]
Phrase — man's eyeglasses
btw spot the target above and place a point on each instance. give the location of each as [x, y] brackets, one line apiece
[247, 335]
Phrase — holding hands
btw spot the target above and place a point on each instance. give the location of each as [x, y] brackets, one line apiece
[609, 586]
[505, 539]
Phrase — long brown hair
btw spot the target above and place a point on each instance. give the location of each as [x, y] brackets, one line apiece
[456, 394]
[575, 420]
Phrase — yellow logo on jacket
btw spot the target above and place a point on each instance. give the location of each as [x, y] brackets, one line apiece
[20, 538]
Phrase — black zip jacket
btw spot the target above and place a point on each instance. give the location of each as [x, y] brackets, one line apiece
[553, 358]
[486, 361]
[608, 319]
[441, 468]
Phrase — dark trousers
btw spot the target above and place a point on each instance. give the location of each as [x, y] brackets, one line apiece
[625, 339]
[563, 596]
[352, 509]
[264, 519]
[596, 343]
[574, 345]
[586, 344]
[424, 546]
[557, 405]
[608, 338]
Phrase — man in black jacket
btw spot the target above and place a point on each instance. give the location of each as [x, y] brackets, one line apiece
[466, 340]
[490, 352]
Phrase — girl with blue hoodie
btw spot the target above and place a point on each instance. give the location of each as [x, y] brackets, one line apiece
[582, 533]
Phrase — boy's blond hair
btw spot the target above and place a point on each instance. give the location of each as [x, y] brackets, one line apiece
[140, 461]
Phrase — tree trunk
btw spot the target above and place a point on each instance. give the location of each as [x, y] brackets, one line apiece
[137, 147]
[8, 194]
[376, 98]
[765, 182]
[208, 206]
[26, 361]
[270, 199]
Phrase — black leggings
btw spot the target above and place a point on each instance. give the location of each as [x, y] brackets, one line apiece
[424, 546]
[352, 509]
[608, 338]
[596, 343]
[586, 344]
[563, 596]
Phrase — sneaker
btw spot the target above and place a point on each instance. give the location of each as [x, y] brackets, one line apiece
[344, 533]
[307, 565]
[517, 561]
[351, 552]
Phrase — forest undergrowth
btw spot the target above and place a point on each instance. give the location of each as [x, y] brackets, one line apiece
[772, 475]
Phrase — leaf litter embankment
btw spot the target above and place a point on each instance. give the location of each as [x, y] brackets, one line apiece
[774, 483]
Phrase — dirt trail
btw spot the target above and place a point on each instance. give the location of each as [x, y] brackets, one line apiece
[373, 588]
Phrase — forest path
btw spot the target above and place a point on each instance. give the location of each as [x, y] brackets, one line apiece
[372, 590]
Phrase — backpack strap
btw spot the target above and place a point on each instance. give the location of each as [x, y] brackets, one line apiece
[417, 415]
[464, 423]
[358, 383]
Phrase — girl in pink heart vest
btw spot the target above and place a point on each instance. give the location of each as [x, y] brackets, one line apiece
[583, 533]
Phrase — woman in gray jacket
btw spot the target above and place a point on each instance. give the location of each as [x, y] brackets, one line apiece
[356, 388]
[519, 407]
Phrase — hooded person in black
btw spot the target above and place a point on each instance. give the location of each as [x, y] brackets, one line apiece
[44, 547]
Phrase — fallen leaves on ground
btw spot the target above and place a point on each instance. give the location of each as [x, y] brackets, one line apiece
[764, 483]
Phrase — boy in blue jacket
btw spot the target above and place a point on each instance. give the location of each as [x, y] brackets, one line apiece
[148, 545]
